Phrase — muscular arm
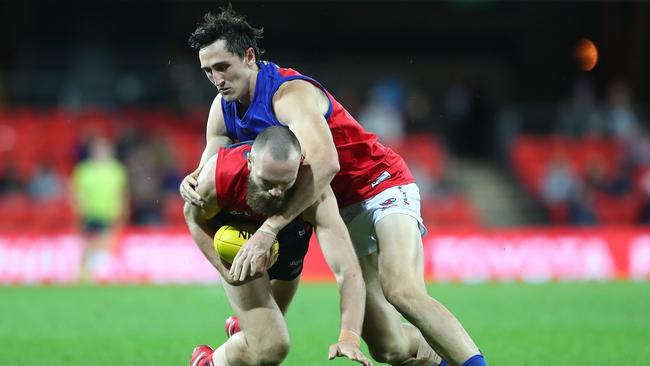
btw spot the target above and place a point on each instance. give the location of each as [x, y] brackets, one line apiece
[301, 106]
[216, 136]
[198, 218]
[337, 248]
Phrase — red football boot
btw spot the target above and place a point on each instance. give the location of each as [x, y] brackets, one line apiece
[202, 356]
[232, 326]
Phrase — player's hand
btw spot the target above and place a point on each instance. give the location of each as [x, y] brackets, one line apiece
[254, 257]
[349, 350]
[226, 277]
[188, 189]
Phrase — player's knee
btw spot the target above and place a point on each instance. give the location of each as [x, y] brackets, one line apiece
[403, 298]
[387, 354]
[273, 353]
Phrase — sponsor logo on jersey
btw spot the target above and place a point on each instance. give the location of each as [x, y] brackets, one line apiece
[382, 177]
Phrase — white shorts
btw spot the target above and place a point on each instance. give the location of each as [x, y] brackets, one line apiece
[362, 217]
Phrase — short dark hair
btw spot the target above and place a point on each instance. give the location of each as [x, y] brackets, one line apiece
[229, 26]
[280, 140]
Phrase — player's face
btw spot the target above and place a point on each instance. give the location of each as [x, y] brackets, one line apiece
[270, 183]
[230, 73]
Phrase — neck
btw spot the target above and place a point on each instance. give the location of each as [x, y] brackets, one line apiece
[252, 82]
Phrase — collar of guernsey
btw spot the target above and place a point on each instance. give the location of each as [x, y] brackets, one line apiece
[366, 166]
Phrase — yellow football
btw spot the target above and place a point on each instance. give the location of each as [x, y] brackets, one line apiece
[230, 237]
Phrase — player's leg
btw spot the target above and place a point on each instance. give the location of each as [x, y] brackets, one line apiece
[402, 282]
[388, 339]
[99, 238]
[283, 292]
[260, 317]
[285, 273]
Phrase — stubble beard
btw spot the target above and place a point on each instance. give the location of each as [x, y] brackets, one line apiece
[262, 203]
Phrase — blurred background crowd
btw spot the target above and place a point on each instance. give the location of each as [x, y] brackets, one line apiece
[507, 113]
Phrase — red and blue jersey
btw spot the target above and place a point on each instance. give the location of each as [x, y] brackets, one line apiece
[366, 166]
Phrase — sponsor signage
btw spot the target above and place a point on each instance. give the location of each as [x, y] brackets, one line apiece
[170, 256]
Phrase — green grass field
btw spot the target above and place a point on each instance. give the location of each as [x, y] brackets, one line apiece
[514, 324]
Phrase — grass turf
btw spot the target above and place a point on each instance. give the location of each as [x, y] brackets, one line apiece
[514, 324]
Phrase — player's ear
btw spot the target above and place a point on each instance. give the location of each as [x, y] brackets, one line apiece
[251, 57]
[302, 158]
[249, 161]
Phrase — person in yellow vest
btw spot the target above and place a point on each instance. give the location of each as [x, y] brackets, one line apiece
[100, 191]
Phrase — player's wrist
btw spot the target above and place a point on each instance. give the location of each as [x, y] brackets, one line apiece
[347, 335]
[269, 228]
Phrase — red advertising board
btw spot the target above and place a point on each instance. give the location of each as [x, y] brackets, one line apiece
[170, 256]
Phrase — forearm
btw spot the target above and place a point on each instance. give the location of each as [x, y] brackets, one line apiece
[204, 240]
[339, 253]
[353, 300]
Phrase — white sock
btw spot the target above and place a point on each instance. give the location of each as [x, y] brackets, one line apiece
[425, 352]
[219, 357]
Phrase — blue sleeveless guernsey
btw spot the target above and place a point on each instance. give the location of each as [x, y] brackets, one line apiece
[366, 166]
[260, 115]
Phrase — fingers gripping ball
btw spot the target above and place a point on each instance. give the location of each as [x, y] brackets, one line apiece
[230, 237]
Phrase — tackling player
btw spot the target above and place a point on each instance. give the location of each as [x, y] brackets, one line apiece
[373, 186]
[250, 183]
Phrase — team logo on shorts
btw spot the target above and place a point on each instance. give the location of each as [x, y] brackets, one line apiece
[389, 201]
[239, 213]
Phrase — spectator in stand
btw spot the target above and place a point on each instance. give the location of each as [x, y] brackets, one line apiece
[638, 150]
[382, 114]
[565, 196]
[10, 182]
[558, 182]
[645, 190]
[146, 179]
[582, 209]
[418, 111]
[620, 117]
[46, 184]
[581, 115]
[99, 186]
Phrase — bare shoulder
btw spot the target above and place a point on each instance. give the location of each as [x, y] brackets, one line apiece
[300, 89]
[300, 94]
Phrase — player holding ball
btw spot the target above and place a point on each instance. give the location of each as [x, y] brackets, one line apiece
[250, 182]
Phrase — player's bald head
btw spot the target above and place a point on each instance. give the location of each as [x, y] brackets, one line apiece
[277, 141]
[274, 162]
